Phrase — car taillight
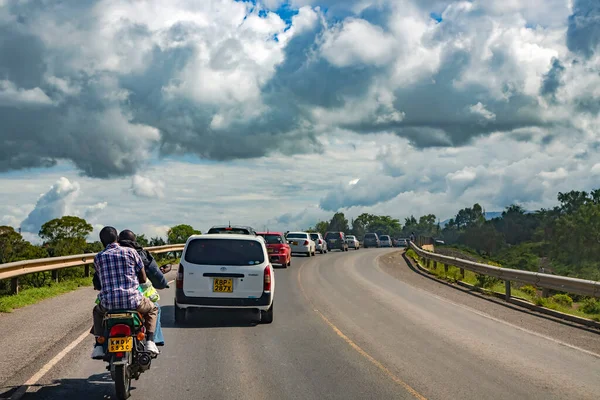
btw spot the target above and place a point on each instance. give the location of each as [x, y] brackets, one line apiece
[267, 284]
[179, 280]
[306, 242]
[320, 241]
[120, 330]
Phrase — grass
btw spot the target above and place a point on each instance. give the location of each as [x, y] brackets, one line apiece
[554, 303]
[34, 295]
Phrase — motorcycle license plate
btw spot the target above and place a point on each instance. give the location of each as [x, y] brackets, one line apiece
[117, 345]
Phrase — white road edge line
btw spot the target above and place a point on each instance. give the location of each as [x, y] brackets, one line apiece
[482, 314]
[44, 370]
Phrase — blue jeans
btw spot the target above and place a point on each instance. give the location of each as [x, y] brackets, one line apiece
[158, 335]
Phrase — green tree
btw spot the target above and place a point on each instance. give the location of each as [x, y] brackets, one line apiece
[358, 229]
[157, 241]
[11, 244]
[575, 237]
[65, 228]
[180, 233]
[94, 247]
[385, 225]
[142, 240]
[572, 201]
[338, 223]
[322, 227]
[485, 239]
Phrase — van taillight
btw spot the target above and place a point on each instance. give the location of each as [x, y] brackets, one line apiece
[120, 330]
[267, 285]
[179, 280]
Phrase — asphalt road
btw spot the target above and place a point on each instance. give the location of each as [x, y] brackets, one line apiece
[344, 328]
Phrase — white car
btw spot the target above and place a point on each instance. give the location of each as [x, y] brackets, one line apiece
[353, 242]
[300, 242]
[320, 243]
[385, 241]
[225, 271]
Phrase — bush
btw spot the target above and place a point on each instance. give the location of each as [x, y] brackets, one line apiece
[590, 306]
[486, 281]
[563, 300]
[541, 301]
[530, 290]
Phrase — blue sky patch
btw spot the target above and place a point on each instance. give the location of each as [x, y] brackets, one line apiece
[436, 17]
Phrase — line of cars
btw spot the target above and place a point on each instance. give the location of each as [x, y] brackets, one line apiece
[231, 267]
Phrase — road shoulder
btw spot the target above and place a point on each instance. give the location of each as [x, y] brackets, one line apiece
[574, 334]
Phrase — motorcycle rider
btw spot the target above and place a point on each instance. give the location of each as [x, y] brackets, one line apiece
[120, 271]
[128, 239]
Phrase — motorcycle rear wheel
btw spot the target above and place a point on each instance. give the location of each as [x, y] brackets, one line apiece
[122, 382]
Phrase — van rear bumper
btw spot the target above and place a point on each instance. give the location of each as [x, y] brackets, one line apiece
[217, 302]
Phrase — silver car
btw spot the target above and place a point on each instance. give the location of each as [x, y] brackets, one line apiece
[320, 243]
[353, 242]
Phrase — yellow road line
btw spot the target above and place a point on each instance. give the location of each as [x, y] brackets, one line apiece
[359, 349]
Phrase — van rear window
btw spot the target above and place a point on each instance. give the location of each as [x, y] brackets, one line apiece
[233, 231]
[224, 252]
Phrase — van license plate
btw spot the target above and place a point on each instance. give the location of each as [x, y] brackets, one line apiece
[223, 285]
[116, 345]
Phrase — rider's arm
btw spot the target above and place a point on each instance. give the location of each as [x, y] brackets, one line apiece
[96, 278]
[139, 266]
[154, 273]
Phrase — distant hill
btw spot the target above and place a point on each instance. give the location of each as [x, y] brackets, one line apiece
[488, 215]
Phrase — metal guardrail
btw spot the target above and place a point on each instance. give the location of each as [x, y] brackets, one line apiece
[19, 268]
[561, 283]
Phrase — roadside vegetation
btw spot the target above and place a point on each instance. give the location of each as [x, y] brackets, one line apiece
[570, 304]
[61, 237]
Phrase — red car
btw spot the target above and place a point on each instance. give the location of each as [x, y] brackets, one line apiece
[279, 250]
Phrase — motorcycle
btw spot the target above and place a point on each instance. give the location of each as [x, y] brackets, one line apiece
[126, 353]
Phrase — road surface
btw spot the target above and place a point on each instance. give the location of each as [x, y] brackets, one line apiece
[346, 328]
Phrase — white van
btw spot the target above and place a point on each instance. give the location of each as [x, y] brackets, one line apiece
[225, 271]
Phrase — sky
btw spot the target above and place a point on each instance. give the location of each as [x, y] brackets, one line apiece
[276, 114]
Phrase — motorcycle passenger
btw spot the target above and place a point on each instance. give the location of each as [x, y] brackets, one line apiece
[128, 239]
[120, 271]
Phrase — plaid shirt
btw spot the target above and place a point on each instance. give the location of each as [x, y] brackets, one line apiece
[117, 269]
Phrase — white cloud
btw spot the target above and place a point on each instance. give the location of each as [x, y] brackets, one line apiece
[357, 41]
[55, 203]
[559, 173]
[92, 212]
[479, 109]
[146, 187]
[495, 104]
[11, 95]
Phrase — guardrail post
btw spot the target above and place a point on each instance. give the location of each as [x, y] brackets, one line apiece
[507, 290]
[86, 271]
[14, 285]
[446, 268]
[545, 292]
[462, 273]
[55, 275]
